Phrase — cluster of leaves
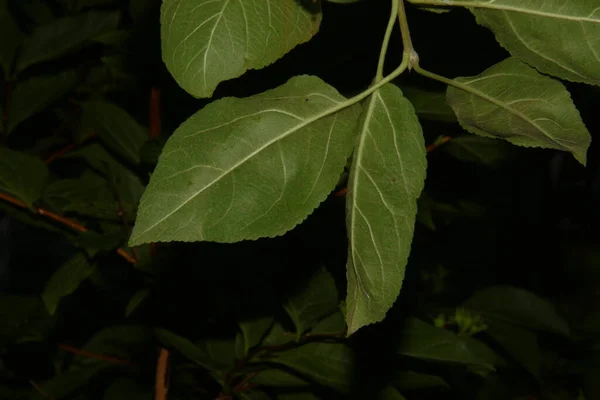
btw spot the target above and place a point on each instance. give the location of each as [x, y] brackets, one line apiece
[75, 162]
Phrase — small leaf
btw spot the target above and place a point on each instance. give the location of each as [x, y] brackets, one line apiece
[248, 168]
[424, 341]
[66, 280]
[512, 101]
[62, 35]
[35, 94]
[410, 380]
[479, 149]
[387, 177]
[205, 42]
[11, 39]
[555, 37]
[519, 343]
[333, 324]
[134, 302]
[115, 127]
[330, 364]
[22, 175]
[518, 307]
[254, 330]
[429, 104]
[316, 300]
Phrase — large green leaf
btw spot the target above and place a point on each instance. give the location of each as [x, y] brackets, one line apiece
[512, 101]
[205, 42]
[66, 280]
[557, 37]
[22, 175]
[386, 178]
[115, 127]
[424, 341]
[11, 39]
[518, 307]
[248, 168]
[37, 93]
[62, 35]
[316, 300]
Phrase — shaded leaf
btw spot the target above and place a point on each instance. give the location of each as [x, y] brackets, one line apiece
[22, 175]
[555, 37]
[115, 127]
[66, 280]
[64, 384]
[127, 389]
[121, 341]
[254, 330]
[248, 168]
[429, 104]
[518, 307]
[277, 336]
[390, 393]
[35, 94]
[330, 364]
[387, 177]
[11, 39]
[512, 101]
[479, 149]
[424, 341]
[298, 396]
[21, 317]
[333, 324]
[37, 10]
[278, 378]
[134, 302]
[317, 299]
[185, 346]
[62, 35]
[205, 42]
[410, 380]
[519, 343]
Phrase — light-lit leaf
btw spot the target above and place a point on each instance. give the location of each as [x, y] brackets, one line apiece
[35, 94]
[205, 42]
[11, 39]
[248, 168]
[518, 307]
[556, 37]
[386, 178]
[134, 302]
[62, 35]
[519, 343]
[512, 101]
[426, 342]
[22, 175]
[66, 280]
[317, 299]
[115, 127]
[330, 364]
[411, 380]
[254, 330]
[479, 149]
[429, 104]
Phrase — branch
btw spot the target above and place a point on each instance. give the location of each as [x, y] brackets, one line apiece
[162, 378]
[86, 354]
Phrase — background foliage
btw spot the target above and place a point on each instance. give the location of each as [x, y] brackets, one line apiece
[500, 297]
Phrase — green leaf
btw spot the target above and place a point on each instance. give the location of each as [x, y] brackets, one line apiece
[555, 37]
[390, 393]
[35, 94]
[248, 168]
[66, 280]
[254, 330]
[205, 42]
[22, 175]
[512, 101]
[11, 39]
[428, 104]
[479, 149]
[519, 343]
[127, 389]
[62, 35]
[333, 324]
[316, 300]
[185, 346]
[278, 378]
[424, 341]
[68, 382]
[518, 307]
[386, 178]
[410, 380]
[21, 316]
[38, 11]
[134, 302]
[120, 341]
[115, 127]
[330, 364]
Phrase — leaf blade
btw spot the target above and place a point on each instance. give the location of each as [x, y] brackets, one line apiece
[66, 280]
[22, 175]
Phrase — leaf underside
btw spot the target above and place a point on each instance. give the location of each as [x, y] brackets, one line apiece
[386, 178]
[248, 168]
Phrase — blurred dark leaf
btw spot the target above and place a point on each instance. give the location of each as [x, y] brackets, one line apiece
[480, 150]
[65, 280]
[428, 104]
[410, 380]
[519, 343]
[254, 330]
[11, 39]
[22, 175]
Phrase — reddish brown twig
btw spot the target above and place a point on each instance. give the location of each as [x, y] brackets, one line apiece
[60, 219]
[154, 119]
[162, 375]
[87, 354]
[39, 389]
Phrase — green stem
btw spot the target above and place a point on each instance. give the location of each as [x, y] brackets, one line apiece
[386, 39]
[409, 52]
